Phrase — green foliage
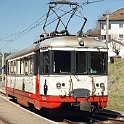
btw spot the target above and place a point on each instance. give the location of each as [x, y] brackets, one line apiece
[116, 86]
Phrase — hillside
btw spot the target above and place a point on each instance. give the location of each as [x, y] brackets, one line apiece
[116, 86]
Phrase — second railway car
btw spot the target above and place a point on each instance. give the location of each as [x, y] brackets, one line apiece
[59, 71]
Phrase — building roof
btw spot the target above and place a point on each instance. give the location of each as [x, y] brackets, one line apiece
[94, 33]
[115, 16]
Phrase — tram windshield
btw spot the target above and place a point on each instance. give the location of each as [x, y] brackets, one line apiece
[79, 62]
[62, 62]
[98, 63]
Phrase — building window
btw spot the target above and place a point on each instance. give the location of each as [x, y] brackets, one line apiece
[120, 25]
[103, 37]
[109, 26]
[103, 26]
[120, 36]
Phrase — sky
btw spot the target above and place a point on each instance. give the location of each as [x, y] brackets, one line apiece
[18, 20]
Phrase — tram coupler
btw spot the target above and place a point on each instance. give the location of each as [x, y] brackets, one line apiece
[85, 106]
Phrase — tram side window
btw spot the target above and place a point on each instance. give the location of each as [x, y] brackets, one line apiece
[18, 67]
[22, 66]
[26, 66]
[14, 67]
[31, 65]
[9, 68]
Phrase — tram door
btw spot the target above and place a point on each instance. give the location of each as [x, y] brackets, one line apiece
[36, 71]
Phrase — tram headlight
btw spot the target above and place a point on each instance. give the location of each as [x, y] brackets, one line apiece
[102, 85]
[58, 85]
[81, 42]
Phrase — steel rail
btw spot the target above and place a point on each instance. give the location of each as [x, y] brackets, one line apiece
[107, 118]
[69, 122]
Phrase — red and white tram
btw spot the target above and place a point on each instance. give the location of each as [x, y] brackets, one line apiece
[58, 71]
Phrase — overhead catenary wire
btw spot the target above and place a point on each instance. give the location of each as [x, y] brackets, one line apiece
[33, 25]
[90, 2]
[28, 28]
[25, 31]
[37, 23]
[19, 35]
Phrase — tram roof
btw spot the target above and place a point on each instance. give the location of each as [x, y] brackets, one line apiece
[61, 41]
[72, 41]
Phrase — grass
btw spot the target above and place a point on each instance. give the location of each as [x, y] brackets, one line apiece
[116, 86]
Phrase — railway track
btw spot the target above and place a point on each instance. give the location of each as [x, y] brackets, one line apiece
[107, 117]
[98, 121]
[97, 118]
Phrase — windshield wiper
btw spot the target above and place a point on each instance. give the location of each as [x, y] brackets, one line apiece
[74, 73]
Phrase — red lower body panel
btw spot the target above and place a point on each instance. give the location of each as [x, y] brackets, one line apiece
[40, 101]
